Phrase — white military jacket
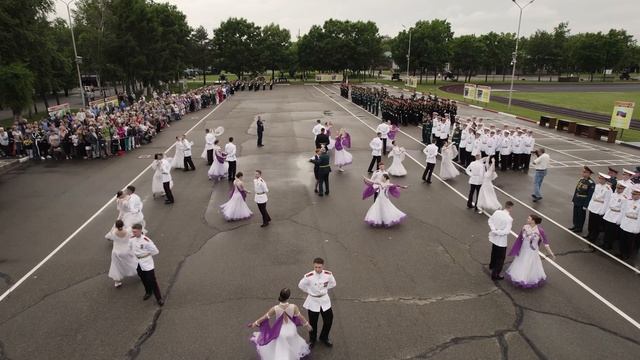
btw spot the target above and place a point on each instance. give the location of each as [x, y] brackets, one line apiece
[317, 286]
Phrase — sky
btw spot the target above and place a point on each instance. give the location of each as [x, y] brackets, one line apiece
[465, 16]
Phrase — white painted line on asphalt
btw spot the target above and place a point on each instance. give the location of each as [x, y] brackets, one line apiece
[96, 214]
[506, 114]
[564, 271]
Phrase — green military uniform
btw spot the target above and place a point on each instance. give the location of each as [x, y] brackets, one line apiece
[581, 198]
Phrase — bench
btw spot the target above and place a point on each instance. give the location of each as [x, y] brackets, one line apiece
[610, 133]
[585, 130]
[568, 125]
[548, 121]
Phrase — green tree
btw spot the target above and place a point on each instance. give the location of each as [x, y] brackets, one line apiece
[200, 50]
[235, 45]
[16, 87]
[540, 52]
[274, 47]
[466, 51]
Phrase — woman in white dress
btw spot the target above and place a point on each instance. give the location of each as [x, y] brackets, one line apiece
[526, 270]
[157, 189]
[121, 204]
[398, 153]
[383, 212]
[281, 340]
[178, 157]
[236, 208]
[487, 199]
[123, 262]
[219, 167]
[328, 125]
[341, 156]
[447, 167]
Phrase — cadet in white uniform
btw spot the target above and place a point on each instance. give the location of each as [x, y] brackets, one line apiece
[133, 209]
[260, 189]
[230, 150]
[209, 140]
[613, 215]
[528, 143]
[316, 285]
[598, 206]
[505, 151]
[144, 249]
[188, 162]
[376, 146]
[630, 225]
[475, 170]
[383, 129]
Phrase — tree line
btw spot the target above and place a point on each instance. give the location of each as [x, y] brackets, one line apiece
[140, 44]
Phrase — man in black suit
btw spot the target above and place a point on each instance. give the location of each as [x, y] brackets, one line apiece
[323, 172]
[260, 130]
[316, 168]
[322, 139]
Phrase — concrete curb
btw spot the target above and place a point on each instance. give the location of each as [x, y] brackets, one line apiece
[8, 165]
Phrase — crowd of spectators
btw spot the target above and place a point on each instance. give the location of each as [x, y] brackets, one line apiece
[112, 129]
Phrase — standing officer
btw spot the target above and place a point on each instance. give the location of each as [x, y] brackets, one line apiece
[259, 130]
[427, 127]
[613, 174]
[144, 249]
[581, 198]
[316, 285]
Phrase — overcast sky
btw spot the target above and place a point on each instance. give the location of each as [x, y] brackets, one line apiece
[466, 16]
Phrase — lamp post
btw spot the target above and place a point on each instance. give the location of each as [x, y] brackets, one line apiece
[408, 52]
[515, 53]
[75, 51]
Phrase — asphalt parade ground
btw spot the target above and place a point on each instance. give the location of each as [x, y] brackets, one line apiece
[415, 291]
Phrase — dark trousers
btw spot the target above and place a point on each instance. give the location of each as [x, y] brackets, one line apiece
[611, 234]
[327, 320]
[595, 227]
[149, 281]
[526, 159]
[472, 189]
[209, 157]
[579, 216]
[463, 155]
[515, 161]
[498, 253]
[323, 184]
[384, 146]
[259, 138]
[263, 211]
[167, 190]
[628, 245]
[426, 175]
[505, 162]
[232, 170]
[188, 163]
[375, 160]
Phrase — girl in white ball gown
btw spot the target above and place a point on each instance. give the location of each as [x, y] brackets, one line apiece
[398, 153]
[236, 208]
[342, 142]
[280, 340]
[447, 167]
[526, 270]
[383, 212]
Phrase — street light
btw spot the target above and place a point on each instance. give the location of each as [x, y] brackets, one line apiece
[408, 52]
[515, 53]
[78, 59]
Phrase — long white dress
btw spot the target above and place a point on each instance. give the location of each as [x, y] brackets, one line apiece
[341, 157]
[289, 345]
[236, 208]
[487, 199]
[217, 169]
[178, 157]
[526, 270]
[383, 212]
[123, 262]
[447, 168]
[156, 184]
[396, 168]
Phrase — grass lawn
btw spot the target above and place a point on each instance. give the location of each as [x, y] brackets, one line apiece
[597, 102]
[628, 135]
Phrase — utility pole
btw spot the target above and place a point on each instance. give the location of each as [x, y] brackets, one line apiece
[514, 60]
[75, 51]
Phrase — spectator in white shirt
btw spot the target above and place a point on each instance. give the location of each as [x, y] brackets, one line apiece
[541, 162]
